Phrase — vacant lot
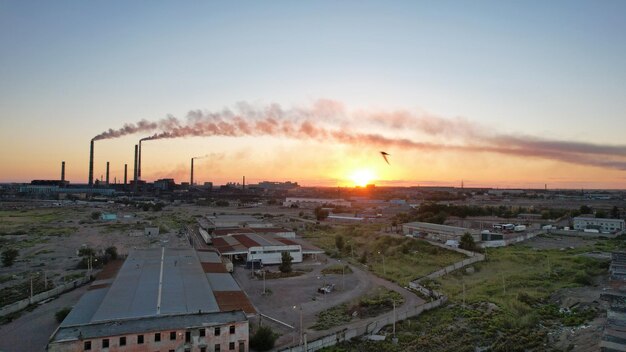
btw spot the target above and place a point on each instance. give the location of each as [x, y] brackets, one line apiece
[395, 258]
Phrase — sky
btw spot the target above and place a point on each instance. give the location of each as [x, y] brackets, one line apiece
[491, 93]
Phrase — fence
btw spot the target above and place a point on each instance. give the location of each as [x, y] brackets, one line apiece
[369, 327]
[19, 305]
[375, 325]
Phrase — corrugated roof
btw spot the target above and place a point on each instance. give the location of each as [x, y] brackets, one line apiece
[222, 282]
[234, 300]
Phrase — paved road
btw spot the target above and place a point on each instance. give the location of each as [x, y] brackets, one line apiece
[30, 332]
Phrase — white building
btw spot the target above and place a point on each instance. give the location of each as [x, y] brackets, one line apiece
[315, 202]
[436, 232]
[604, 225]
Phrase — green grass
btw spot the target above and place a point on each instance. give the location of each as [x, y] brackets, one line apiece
[507, 305]
[405, 259]
[337, 269]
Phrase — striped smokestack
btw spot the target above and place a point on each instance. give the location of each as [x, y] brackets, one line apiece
[107, 179]
[91, 164]
[62, 171]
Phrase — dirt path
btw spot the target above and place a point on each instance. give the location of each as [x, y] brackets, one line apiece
[31, 331]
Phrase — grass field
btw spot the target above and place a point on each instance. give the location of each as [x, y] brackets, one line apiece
[405, 259]
[506, 308]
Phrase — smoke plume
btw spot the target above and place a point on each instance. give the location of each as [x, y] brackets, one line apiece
[327, 120]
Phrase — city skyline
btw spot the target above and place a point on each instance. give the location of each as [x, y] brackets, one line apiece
[451, 86]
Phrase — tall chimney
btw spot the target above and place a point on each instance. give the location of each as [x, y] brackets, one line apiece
[139, 162]
[125, 173]
[62, 171]
[135, 175]
[91, 164]
[107, 182]
[191, 183]
[244, 182]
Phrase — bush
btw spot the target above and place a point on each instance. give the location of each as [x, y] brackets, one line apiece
[285, 265]
[263, 339]
[222, 203]
[467, 242]
[61, 314]
[9, 256]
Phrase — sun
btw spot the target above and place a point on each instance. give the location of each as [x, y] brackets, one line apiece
[362, 177]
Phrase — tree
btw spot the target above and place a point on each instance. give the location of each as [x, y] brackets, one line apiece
[585, 209]
[263, 339]
[467, 242]
[95, 215]
[9, 256]
[339, 242]
[601, 214]
[320, 213]
[222, 203]
[285, 265]
[61, 314]
[615, 212]
[111, 252]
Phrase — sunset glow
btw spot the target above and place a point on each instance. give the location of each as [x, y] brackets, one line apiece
[362, 177]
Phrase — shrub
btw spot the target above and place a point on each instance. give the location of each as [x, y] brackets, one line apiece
[9, 256]
[61, 314]
[263, 339]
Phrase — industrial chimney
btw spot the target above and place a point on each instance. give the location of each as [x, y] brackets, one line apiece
[91, 164]
[125, 173]
[139, 162]
[107, 179]
[191, 181]
[62, 171]
[135, 175]
[244, 182]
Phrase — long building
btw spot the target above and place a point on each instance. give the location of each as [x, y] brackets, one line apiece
[437, 232]
[600, 224]
[266, 248]
[160, 300]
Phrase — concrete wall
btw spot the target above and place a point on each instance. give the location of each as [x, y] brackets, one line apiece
[19, 305]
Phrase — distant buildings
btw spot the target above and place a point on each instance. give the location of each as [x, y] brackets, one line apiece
[161, 300]
[315, 202]
[600, 224]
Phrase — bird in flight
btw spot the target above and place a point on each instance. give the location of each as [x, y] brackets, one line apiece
[385, 154]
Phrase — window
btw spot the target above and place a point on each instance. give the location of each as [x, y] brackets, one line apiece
[157, 337]
[217, 347]
[187, 336]
[217, 332]
[172, 335]
[139, 339]
[232, 329]
[202, 332]
[87, 346]
[231, 346]
[123, 341]
[105, 343]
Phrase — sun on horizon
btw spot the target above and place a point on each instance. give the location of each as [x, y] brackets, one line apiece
[362, 177]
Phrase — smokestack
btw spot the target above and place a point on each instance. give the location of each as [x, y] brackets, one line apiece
[107, 182]
[135, 175]
[191, 183]
[125, 173]
[91, 164]
[244, 182]
[62, 171]
[139, 162]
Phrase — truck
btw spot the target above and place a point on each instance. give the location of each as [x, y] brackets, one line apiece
[519, 228]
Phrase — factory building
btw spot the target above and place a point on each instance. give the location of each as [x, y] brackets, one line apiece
[267, 249]
[271, 231]
[230, 221]
[162, 299]
[602, 225]
[436, 232]
[315, 202]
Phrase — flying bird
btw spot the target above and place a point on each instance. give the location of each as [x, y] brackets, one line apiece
[385, 154]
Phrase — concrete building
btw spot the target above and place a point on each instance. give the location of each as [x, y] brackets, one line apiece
[161, 299]
[315, 202]
[436, 232]
[270, 231]
[602, 225]
[230, 221]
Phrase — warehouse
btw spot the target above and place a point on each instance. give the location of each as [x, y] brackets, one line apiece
[161, 300]
[600, 224]
[436, 232]
[267, 249]
[229, 221]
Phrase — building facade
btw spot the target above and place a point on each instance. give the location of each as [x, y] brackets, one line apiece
[602, 225]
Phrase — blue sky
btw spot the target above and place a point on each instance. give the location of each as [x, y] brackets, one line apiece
[544, 68]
